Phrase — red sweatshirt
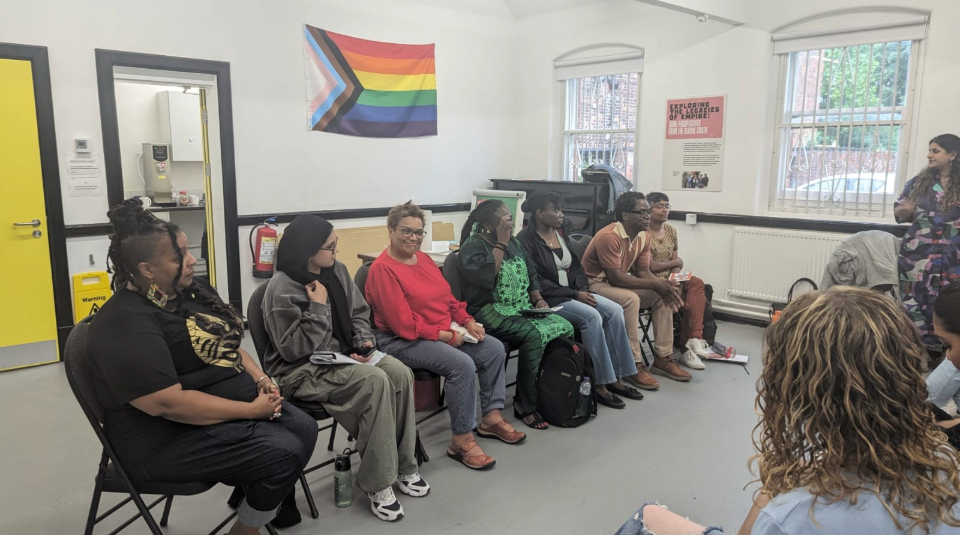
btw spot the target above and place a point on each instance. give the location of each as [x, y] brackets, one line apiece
[412, 302]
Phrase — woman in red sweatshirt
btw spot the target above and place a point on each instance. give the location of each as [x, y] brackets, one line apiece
[413, 312]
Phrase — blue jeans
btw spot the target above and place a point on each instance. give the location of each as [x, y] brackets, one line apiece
[605, 337]
[943, 384]
[458, 366]
[636, 526]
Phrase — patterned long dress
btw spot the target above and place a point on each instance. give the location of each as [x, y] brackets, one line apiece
[496, 299]
[929, 258]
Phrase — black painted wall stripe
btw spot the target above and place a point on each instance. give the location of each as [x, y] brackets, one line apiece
[788, 223]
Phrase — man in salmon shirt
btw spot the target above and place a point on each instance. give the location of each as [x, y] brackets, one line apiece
[617, 262]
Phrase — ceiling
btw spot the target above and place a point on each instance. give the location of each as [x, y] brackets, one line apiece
[513, 9]
[528, 8]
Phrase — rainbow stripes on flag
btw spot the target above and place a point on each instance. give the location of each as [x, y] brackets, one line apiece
[367, 88]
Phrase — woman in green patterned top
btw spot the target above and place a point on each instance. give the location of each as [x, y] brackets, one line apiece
[498, 283]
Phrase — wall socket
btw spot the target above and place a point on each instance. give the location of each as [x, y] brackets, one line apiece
[691, 219]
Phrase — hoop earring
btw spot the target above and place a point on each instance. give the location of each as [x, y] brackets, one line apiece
[156, 295]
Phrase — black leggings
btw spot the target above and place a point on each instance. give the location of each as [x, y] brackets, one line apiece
[264, 457]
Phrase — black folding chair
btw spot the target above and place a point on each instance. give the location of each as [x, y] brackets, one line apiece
[111, 476]
[261, 341]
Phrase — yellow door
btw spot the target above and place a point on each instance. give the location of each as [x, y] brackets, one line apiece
[28, 325]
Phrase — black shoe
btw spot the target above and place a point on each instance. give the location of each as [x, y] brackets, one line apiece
[288, 515]
[627, 391]
[611, 401]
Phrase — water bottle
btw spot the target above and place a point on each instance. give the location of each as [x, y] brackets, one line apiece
[583, 403]
[724, 351]
[585, 386]
[342, 480]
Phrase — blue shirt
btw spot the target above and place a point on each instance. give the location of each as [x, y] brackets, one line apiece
[789, 514]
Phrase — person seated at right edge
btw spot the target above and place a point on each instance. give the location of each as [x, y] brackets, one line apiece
[666, 260]
[312, 305]
[599, 320]
[498, 284]
[617, 261]
[943, 383]
[413, 310]
[845, 444]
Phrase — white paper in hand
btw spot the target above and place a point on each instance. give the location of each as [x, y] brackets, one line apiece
[326, 358]
[467, 337]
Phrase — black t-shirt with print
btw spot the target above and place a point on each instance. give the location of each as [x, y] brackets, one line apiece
[137, 349]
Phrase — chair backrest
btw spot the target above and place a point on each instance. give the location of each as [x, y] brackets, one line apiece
[360, 278]
[579, 242]
[258, 328]
[451, 272]
[80, 374]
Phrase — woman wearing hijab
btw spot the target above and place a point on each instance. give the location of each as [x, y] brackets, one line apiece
[312, 305]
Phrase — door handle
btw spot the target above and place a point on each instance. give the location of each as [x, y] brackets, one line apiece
[34, 223]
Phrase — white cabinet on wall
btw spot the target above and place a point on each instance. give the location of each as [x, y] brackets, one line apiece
[180, 125]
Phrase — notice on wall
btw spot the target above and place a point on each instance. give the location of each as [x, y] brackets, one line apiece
[694, 143]
[85, 176]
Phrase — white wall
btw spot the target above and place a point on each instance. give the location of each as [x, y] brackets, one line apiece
[687, 58]
[281, 167]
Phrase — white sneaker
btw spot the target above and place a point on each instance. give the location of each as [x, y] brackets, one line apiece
[699, 347]
[691, 360]
[385, 506]
[413, 485]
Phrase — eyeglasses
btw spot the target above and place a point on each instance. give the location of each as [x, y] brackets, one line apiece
[641, 213]
[331, 247]
[409, 233]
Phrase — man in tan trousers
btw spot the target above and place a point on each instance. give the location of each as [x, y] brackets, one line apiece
[617, 262]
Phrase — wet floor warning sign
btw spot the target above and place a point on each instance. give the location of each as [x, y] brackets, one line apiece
[90, 291]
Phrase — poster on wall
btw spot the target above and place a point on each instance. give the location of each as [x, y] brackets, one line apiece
[693, 148]
[358, 87]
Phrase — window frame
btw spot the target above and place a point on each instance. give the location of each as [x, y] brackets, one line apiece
[878, 205]
[568, 100]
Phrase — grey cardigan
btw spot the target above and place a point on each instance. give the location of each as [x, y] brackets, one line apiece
[298, 327]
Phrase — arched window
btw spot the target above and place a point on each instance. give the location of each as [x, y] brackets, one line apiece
[844, 110]
[601, 90]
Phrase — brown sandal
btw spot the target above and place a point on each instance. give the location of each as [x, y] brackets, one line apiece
[474, 462]
[498, 432]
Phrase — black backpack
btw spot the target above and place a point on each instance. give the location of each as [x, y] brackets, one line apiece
[563, 368]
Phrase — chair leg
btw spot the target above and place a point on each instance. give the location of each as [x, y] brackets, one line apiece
[333, 435]
[145, 512]
[94, 504]
[306, 492]
[166, 511]
[270, 529]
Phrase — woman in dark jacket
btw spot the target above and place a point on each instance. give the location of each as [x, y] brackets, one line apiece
[563, 282]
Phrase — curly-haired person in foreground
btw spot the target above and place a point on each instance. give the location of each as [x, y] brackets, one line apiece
[845, 443]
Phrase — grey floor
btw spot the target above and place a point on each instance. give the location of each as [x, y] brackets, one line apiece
[686, 445]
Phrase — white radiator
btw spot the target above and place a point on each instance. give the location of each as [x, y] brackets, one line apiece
[767, 261]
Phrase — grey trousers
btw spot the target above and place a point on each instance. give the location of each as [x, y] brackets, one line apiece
[457, 365]
[374, 404]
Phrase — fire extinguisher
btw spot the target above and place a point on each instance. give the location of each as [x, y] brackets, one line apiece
[265, 249]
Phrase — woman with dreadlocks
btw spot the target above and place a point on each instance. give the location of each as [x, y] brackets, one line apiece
[183, 401]
[929, 256]
[498, 283]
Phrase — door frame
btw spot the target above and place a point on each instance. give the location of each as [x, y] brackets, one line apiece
[50, 170]
[106, 61]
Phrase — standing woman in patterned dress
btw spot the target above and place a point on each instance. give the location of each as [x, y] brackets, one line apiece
[930, 251]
